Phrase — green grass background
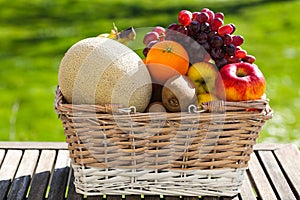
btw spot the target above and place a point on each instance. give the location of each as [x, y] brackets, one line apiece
[34, 35]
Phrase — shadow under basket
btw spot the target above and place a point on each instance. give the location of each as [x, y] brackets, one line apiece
[205, 151]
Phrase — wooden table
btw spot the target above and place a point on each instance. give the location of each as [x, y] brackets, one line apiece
[41, 170]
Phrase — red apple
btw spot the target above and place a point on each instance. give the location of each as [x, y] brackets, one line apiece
[240, 82]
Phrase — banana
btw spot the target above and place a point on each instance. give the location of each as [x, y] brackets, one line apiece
[123, 37]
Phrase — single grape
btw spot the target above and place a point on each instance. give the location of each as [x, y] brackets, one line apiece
[181, 34]
[219, 15]
[183, 30]
[216, 41]
[160, 30]
[249, 59]
[194, 15]
[152, 43]
[227, 38]
[217, 53]
[202, 17]
[150, 36]
[216, 23]
[229, 49]
[233, 59]
[173, 26]
[205, 27]
[240, 53]
[162, 37]
[225, 29]
[211, 14]
[194, 36]
[238, 48]
[211, 34]
[202, 37]
[185, 17]
[205, 9]
[233, 27]
[145, 51]
[194, 27]
[237, 40]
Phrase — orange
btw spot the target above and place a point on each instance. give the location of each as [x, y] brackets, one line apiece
[166, 59]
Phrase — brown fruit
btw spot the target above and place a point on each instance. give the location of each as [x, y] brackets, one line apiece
[156, 107]
[178, 94]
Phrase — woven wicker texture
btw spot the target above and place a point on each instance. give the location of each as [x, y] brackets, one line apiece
[108, 142]
[98, 181]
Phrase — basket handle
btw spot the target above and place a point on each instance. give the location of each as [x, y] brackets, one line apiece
[212, 106]
[217, 106]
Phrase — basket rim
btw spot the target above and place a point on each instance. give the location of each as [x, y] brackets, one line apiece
[259, 106]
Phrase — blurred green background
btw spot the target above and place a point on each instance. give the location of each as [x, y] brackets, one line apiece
[34, 35]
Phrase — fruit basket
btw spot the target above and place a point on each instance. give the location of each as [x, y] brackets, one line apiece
[181, 121]
[201, 152]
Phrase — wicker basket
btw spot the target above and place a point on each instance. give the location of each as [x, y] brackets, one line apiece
[204, 151]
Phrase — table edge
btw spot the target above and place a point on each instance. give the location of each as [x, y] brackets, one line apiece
[64, 145]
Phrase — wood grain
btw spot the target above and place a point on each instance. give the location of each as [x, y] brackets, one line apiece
[8, 170]
[276, 176]
[42, 175]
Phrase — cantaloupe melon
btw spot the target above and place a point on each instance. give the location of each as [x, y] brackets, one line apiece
[102, 71]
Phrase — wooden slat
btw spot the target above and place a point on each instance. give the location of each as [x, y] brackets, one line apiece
[2, 155]
[268, 146]
[289, 158]
[42, 175]
[94, 198]
[172, 197]
[33, 145]
[25, 171]
[210, 198]
[230, 198]
[113, 197]
[152, 197]
[133, 197]
[260, 179]
[72, 195]
[8, 170]
[60, 176]
[190, 198]
[276, 175]
[247, 190]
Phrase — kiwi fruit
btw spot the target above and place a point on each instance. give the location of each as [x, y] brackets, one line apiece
[178, 93]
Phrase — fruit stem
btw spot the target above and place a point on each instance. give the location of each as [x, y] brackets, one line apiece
[168, 50]
[241, 73]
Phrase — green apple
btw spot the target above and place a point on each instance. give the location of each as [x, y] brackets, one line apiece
[203, 75]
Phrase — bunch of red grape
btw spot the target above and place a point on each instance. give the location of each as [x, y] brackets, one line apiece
[203, 33]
